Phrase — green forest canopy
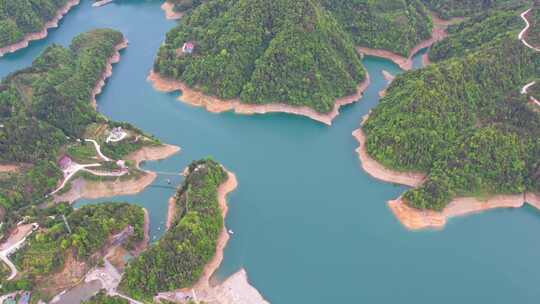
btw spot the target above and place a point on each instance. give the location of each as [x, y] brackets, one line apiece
[21, 17]
[91, 226]
[43, 110]
[264, 51]
[463, 120]
[465, 8]
[178, 258]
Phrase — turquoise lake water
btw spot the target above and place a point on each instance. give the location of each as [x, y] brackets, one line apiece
[310, 226]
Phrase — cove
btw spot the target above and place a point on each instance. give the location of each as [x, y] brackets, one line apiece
[310, 226]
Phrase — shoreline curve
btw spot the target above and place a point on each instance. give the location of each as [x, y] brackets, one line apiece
[216, 105]
[170, 14]
[81, 188]
[406, 63]
[417, 219]
[60, 13]
[115, 58]
[234, 289]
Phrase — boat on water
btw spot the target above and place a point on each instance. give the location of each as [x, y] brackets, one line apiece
[101, 3]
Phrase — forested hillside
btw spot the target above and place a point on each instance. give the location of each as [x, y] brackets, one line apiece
[44, 110]
[20, 17]
[178, 258]
[463, 120]
[533, 35]
[53, 245]
[463, 8]
[474, 33]
[393, 25]
[292, 52]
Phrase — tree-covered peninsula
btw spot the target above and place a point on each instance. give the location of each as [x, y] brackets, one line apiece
[463, 120]
[178, 258]
[49, 127]
[58, 255]
[20, 18]
[291, 52]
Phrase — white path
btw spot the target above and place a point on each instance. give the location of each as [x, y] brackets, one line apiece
[524, 31]
[98, 150]
[521, 36]
[70, 172]
[11, 248]
[109, 278]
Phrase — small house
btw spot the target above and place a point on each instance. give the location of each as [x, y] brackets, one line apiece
[188, 47]
[64, 162]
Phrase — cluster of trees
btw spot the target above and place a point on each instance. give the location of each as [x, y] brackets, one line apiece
[293, 52]
[91, 227]
[473, 33]
[20, 17]
[463, 120]
[394, 25]
[42, 109]
[464, 8]
[178, 258]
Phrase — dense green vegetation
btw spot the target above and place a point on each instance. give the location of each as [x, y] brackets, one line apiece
[103, 298]
[45, 110]
[474, 33]
[91, 226]
[178, 258]
[264, 51]
[533, 35]
[394, 25]
[20, 17]
[462, 120]
[463, 8]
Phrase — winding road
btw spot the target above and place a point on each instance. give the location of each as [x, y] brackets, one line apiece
[14, 242]
[98, 150]
[521, 37]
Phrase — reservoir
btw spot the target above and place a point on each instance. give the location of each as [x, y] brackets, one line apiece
[310, 226]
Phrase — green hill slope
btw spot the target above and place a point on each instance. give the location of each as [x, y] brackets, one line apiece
[463, 8]
[20, 17]
[393, 25]
[463, 122]
[264, 52]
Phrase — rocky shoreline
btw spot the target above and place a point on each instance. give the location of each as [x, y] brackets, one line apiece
[216, 105]
[43, 33]
[115, 58]
[236, 288]
[406, 63]
[416, 219]
[81, 188]
[170, 14]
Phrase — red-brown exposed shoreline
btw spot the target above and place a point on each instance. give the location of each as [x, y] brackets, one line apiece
[416, 219]
[43, 33]
[216, 105]
[170, 14]
[405, 63]
[236, 288]
[115, 58]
